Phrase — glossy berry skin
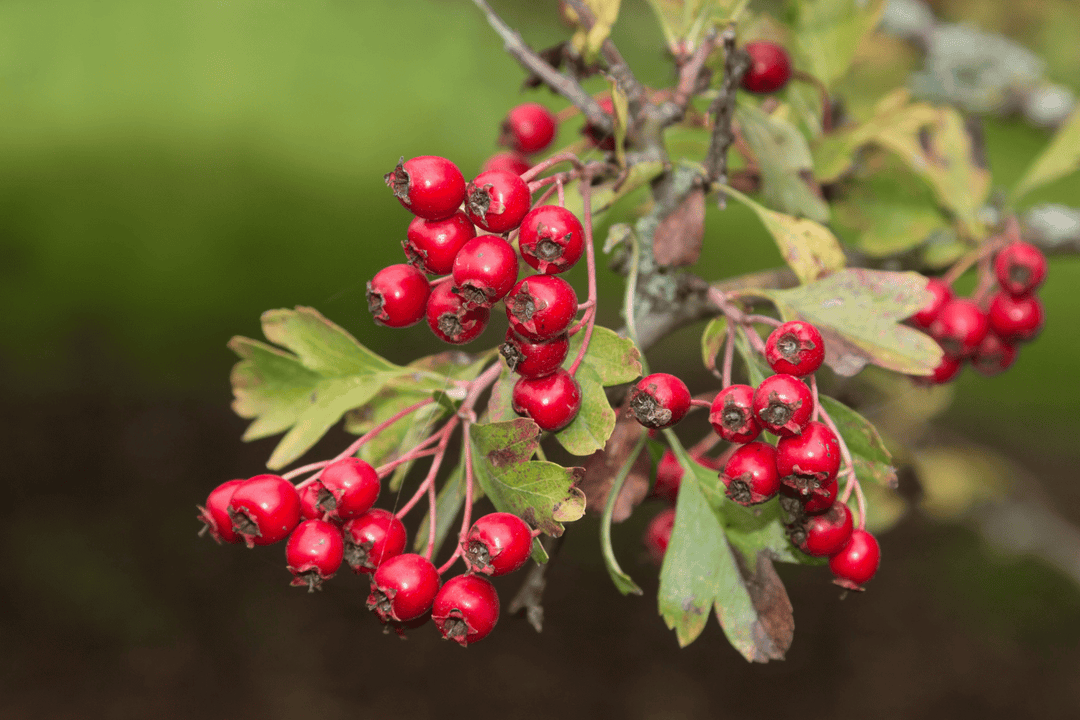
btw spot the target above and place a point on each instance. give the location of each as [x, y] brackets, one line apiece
[732, 414]
[428, 186]
[994, 355]
[497, 201]
[350, 487]
[960, 327]
[372, 538]
[533, 359]
[314, 553]
[398, 295]
[940, 293]
[309, 502]
[215, 514]
[529, 128]
[795, 348]
[1016, 319]
[466, 609]
[1020, 268]
[264, 509]
[770, 68]
[432, 245]
[485, 270]
[809, 459]
[783, 405]
[552, 401]
[602, 140]
[403, 588]
[497, 544]
[450, 317]
[658, 534]
[825, 534]
[857, 562]
[821, 498]
[750, 475]
[669, 474]
[659, 400]
[506, 162]
[551, 240]
[541, 307]
[946, 370]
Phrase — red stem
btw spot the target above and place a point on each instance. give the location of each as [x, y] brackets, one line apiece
[590, 263]
[466, 518]
[440, 453]
[552, 161]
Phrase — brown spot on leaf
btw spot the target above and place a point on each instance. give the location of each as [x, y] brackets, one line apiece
[679, 236]
[774, 628]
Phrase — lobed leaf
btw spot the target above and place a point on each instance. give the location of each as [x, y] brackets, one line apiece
[614, 359]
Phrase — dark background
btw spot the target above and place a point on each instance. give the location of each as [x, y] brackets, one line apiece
[169, 170]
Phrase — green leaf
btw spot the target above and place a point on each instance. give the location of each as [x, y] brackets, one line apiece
[785, 162]
[621, 118]
[859, 314]
[1058, 159]
[401, 435]
[872, 459]
[809, 248]
[321, 345]
[500, 406]
[614, 359]
[542, 493]
[686, 20]
[623, 582]
[589, 431]
[712, 339]
[828, 32]
[756, 367]
[761, 527]
[606, 13]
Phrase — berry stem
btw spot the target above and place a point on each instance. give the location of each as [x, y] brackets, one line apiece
[694, 402]
[729, 355]
[440, 453]
[814, 394]
[704, 445]
[764, 319]
[415, 454]
[551, 162]
[466, 517]
[985, 250]
[562, 192]
[849, 464]
[826, 105]
[590, 264]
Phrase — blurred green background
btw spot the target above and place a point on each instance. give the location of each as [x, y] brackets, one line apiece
[170, 169]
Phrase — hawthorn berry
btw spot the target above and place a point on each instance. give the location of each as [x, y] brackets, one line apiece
[994, 356]
[750, 475]
[770, 67]
[599, 138]
[824, 534]
[264, 509]
[669, 474]
[819, 499]
[960, 327]
[809, 459]
[732, 414]
[529, 128]
[552, 401]
[497, 201]
[428, 186]
[314, 553]
[945, 371]
[534, 359]
[795, 348]
[350, 487]
[1015, 319]
[783, 404]
[450, 317]
[397, 296]
[659, 400]
[497, 544]
[309, 502]
[658, 534]
[1020, 268]
[485, 270]
[403, 588]
[215, 514]
[506, 162]
[541, 307]
[857, 562]
[372, 538]
[432, 245]
[466, 609]
[551, 240]
[940, 293]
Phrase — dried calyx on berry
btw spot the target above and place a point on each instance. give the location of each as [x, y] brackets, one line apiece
[659, 400]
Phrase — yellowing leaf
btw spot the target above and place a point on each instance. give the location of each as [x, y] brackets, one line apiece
[828, 32]
[1060, 158]
[588, 43]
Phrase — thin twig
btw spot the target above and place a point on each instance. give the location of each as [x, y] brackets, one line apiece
[617, 67]
[736, 63]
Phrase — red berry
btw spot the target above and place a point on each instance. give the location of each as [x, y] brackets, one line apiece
[940, 293]
[669, 474]
[485, 270]
[857, 562]
[732, 414]
[658, 534]
[770, 67]
[540, 307]
[750, 475]
[1016, 319]
[820, 499]
[960, 327]
[659, 400]
[450, 318]
[599, 138]
[314, 553]
[945, 371]
[552, 401]
[783, 405]
[506, 162]
[215, 514]
[432, 245]
[528, 128]
[372, 538]
[994, 355]
[825, 534]
[532, 359]
[466, 609]
[795, 348]
[428, 186]
[264, 509]
[552, 239]
[349, 488]
[497, 201]
[810, 459]
[397, 296]
[497, 544]
[403, 588]
[309, 502]
[1020, 268]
